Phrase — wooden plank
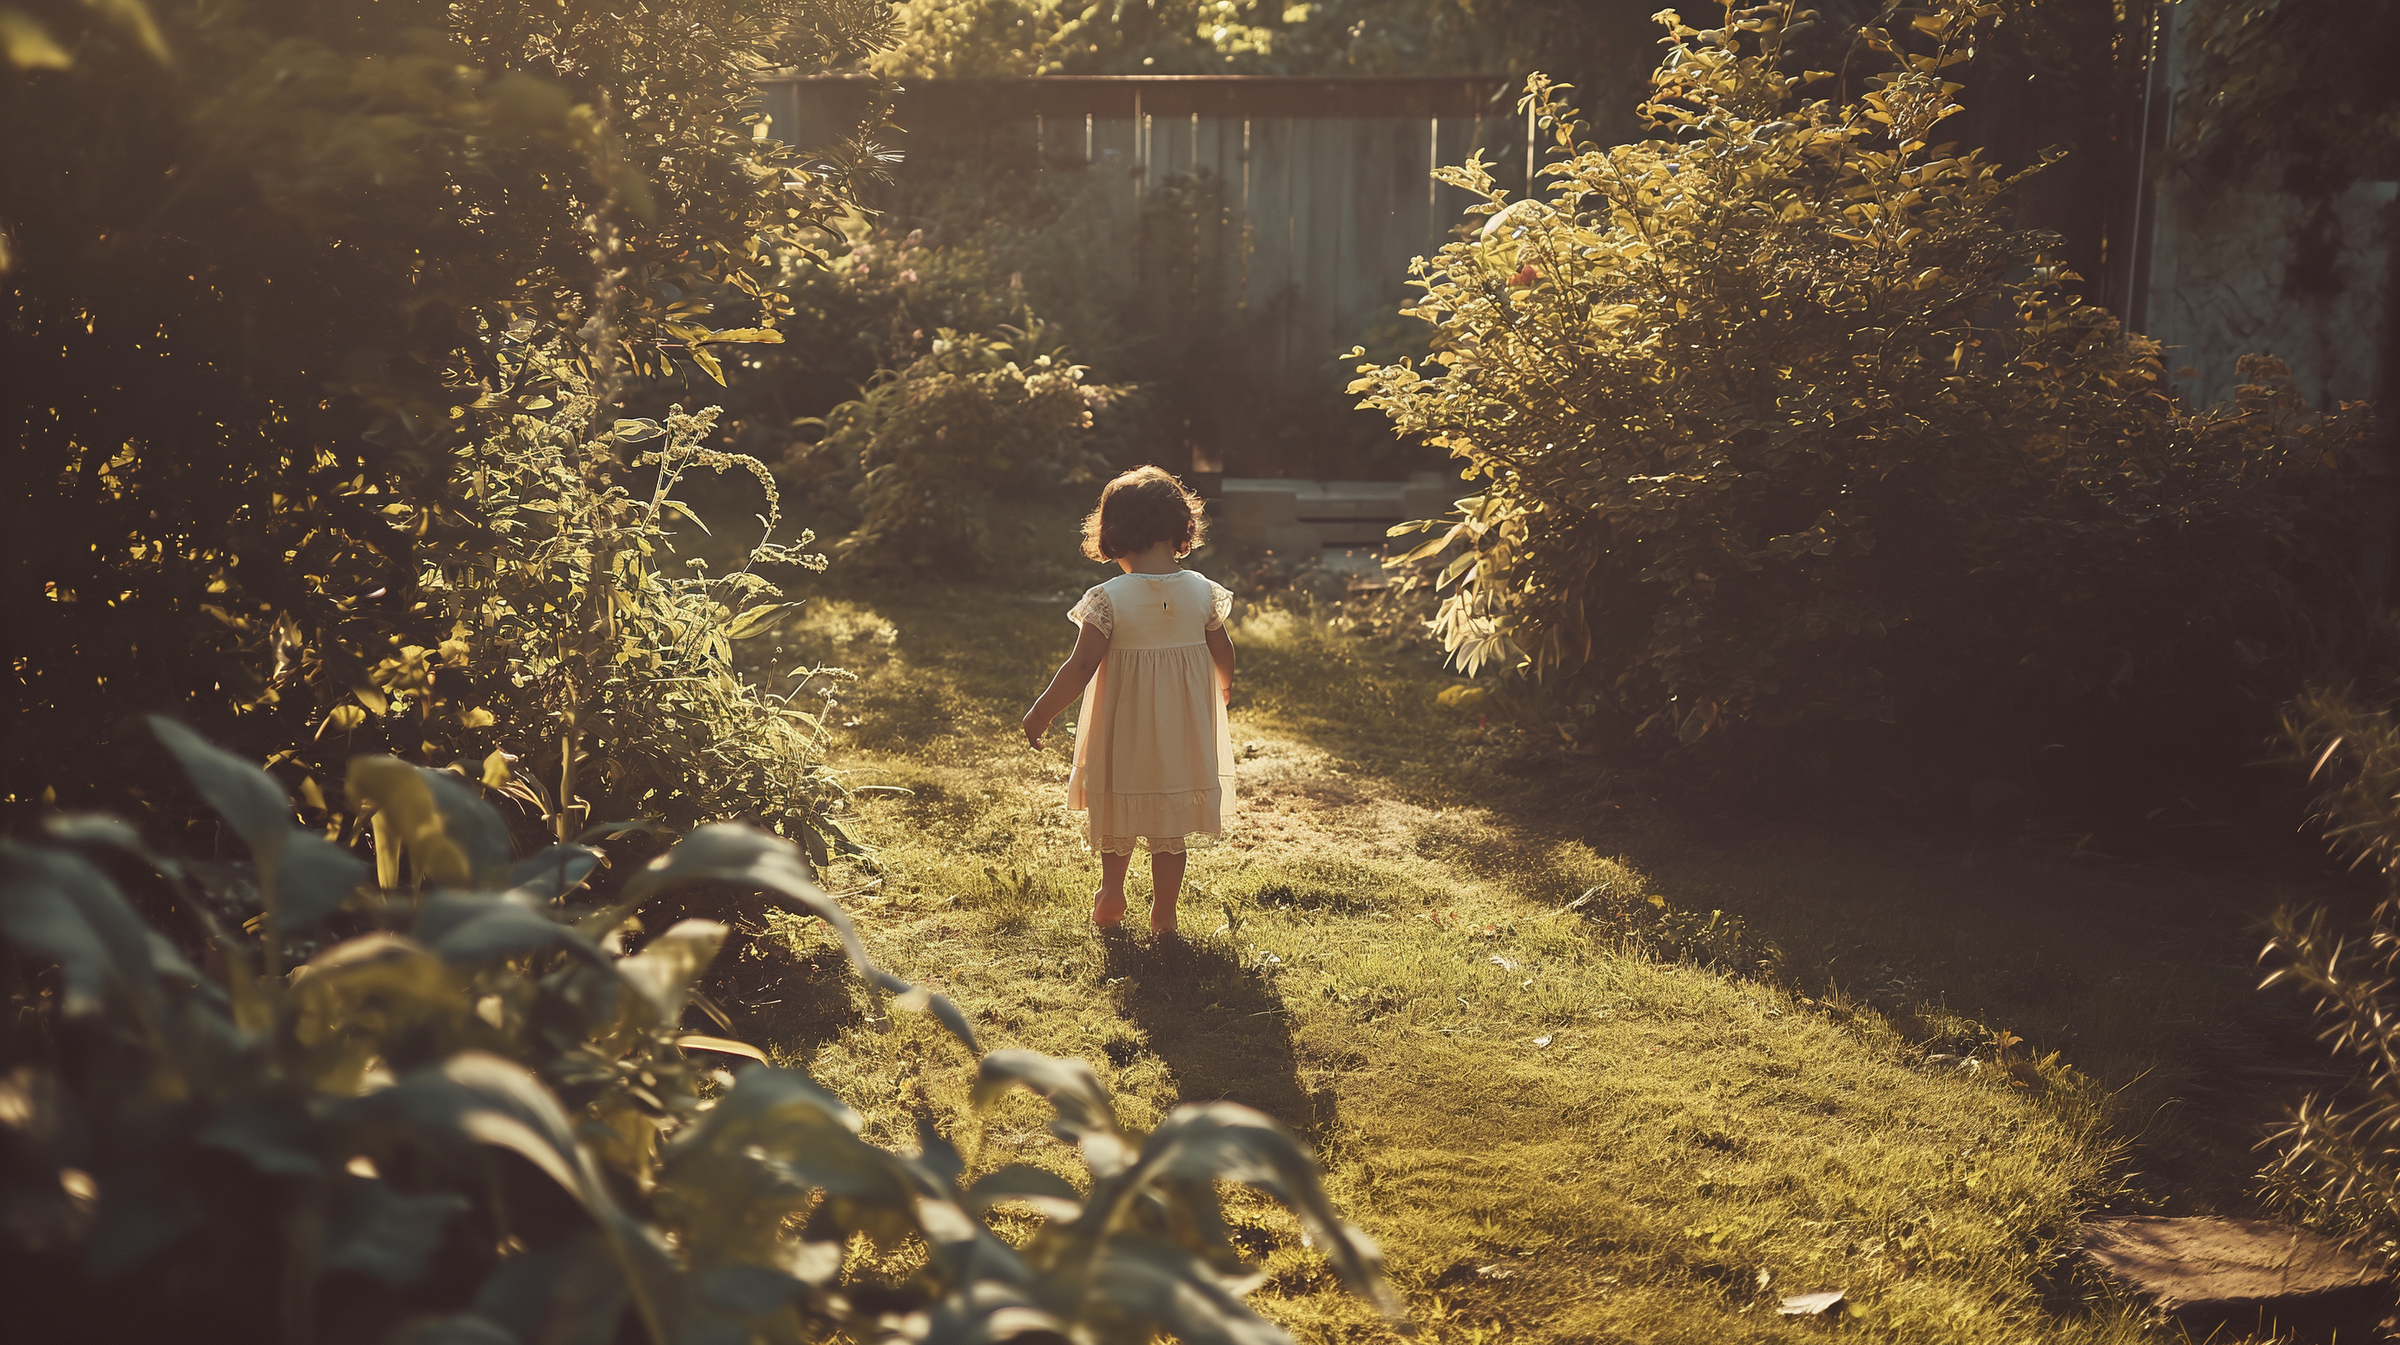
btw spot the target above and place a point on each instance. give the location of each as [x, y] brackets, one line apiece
[1116, 193]
[1269, 247]
[1318, 217]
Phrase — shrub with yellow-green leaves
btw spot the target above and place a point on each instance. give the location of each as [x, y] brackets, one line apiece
[921, 450]
[1775, 420]
[306, 1101]
[562, 630]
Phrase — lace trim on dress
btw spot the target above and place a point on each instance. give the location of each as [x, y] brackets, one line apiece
[1220, 605]
[1157, 845]
[1094, 610]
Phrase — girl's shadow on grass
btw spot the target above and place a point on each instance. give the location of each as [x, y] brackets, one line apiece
[1219, 1026]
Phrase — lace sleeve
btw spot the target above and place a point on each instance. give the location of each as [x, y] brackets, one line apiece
[1220, 605]
[1094, 610]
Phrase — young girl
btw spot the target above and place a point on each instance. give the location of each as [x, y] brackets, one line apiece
[1153, 757]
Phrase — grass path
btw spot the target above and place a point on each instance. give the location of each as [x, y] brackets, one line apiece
[1555, 1135]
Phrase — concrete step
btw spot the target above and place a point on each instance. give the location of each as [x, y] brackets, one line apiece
[1282, 514]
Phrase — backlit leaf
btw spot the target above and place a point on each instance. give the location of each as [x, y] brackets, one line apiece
[1085, 1116]
[663, 972]
[552, 872]
[382, 1234]
[404, 800]
[759, 620]
[29, 44]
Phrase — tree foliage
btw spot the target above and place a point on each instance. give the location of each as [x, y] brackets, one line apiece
[263, 262]
[2296, 82]
[461, 1110]
[1775, 420]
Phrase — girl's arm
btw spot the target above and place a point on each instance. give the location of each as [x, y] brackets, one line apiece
[1220, 652]
[1090, 648]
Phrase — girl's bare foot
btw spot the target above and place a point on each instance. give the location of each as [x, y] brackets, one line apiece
[1166, 885]
[1108, 904]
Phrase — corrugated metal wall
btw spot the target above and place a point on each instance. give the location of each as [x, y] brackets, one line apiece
[1303, 200]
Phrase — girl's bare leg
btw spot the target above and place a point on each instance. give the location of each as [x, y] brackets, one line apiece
[1108, 905]
[1166, 884]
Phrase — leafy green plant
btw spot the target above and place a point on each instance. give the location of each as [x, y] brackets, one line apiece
[563, 633]
[262, 261]
[2335, 1156]
[477, 1117]
[922, 448]
[1777, 422]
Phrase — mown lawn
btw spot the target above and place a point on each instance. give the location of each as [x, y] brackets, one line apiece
[1555, 1130]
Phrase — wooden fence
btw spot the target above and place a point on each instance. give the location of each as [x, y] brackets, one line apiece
[1300, 202]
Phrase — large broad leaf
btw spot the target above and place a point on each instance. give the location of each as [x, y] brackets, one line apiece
[465, 1328]
[1046, 1191]
[729, 852]
[485, 1099]
[663, 972]
[474, 824]
[1154, 1281]
[480, 926]
[246, 797]
[145, 1206]
[113, 832]
[382, 1234]
[348, 999]
[261, 814]
[738, 1303]
[1086, 1118]
[315, 878]
[1224, 1141]
[452, 836]
[778, 1124]
[277, 1140]
[764, 1103]
[570, 1292]
[987, 1312]
[552, 872]
[404, 807]
[59, 906]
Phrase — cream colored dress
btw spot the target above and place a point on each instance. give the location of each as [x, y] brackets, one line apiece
[1153, 754]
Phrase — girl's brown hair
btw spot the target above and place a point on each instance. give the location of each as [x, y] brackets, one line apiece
[1140, 509]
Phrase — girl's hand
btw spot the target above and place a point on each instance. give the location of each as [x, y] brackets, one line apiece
[1033, 731]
